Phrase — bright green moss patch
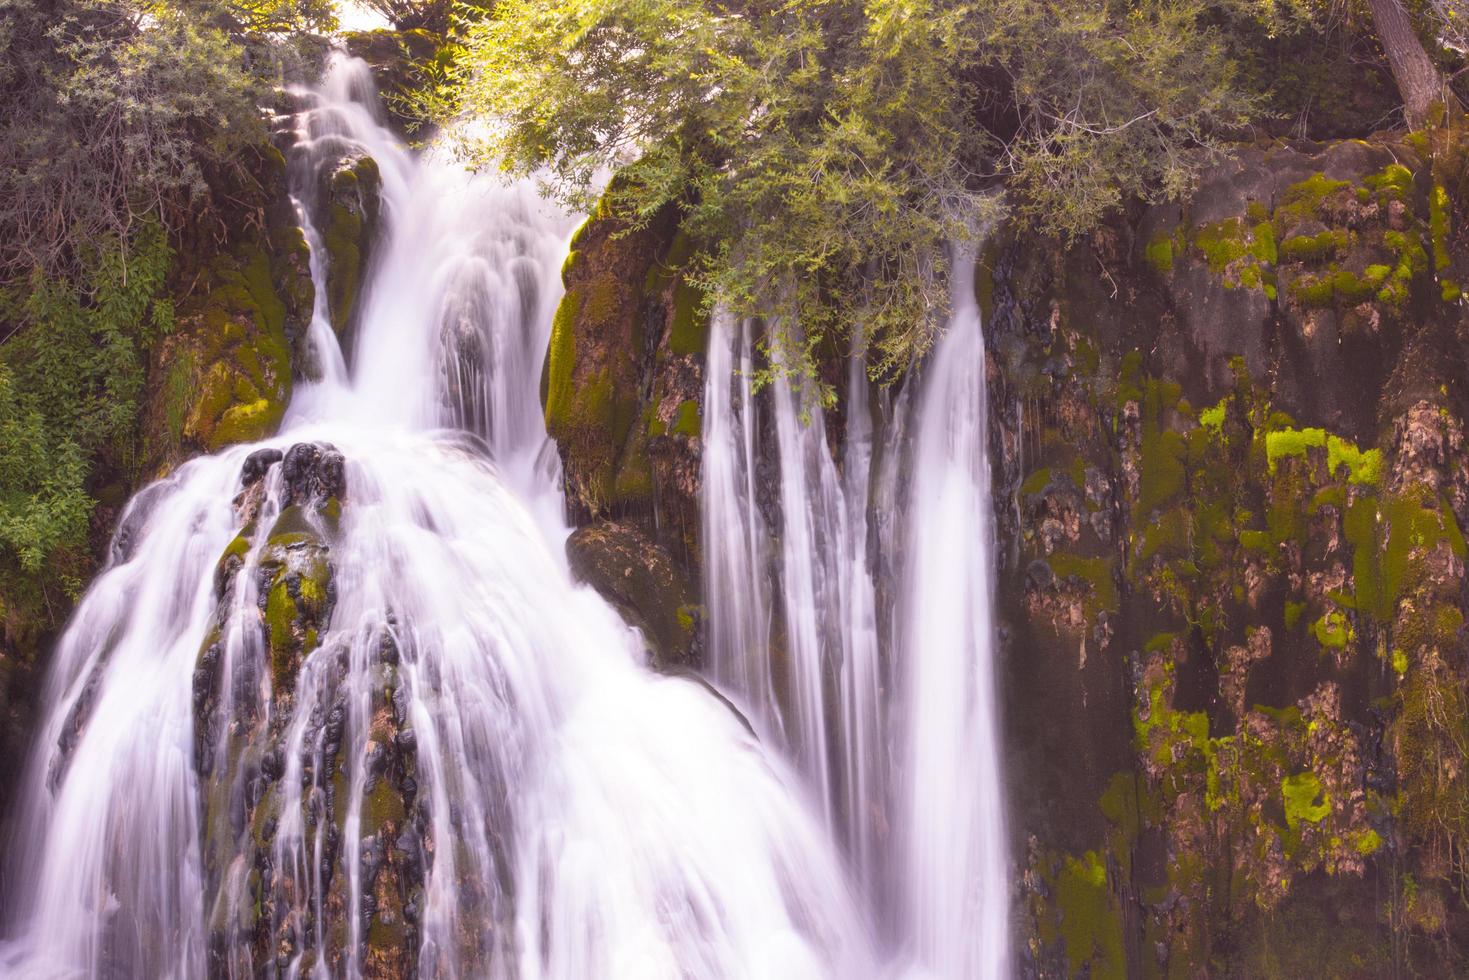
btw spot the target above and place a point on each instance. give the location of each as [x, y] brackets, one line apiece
[1303, 201]
[1362, 467]
[1213, 418]
[1439, 210]
[1334, 630]
[561, 357]
[246, 423]
[1393, 182]
[1300, 794]
[1315, 248]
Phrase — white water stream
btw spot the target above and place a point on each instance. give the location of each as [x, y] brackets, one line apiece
[581, 816]
[896, 730]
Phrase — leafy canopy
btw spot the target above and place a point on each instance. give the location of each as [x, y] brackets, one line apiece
[826, 151]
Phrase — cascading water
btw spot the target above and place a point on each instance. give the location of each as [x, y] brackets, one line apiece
[360, 720]
[952, 819]
[917, 797]
[814, 681]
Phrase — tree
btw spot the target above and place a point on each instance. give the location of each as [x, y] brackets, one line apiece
[1419, 81]
[825, 151]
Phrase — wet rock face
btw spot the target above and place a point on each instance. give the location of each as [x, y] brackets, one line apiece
[645, 584]
[313, 471]
[224, 374]
[624, 380]
[1226, 440]
[275, 747]
[345, 211]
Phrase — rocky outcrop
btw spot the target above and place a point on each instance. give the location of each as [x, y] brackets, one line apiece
[276, 588]
[224, 374]
[1222, 433]
[646, 585]
[345, 210]
[1229, 489]
[623, 388]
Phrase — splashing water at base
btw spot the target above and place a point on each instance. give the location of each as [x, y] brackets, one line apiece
[359, 720]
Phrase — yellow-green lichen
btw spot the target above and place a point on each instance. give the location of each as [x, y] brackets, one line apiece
[1333, 630]
[1363, 467]
[1300, 794]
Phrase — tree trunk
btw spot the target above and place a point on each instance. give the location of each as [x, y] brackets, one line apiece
[1419, 82]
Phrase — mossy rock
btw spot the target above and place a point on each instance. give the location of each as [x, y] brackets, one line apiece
[644, 583]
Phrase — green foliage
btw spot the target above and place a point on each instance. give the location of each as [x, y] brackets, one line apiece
[823, 153]
[71, 372]
[112, 111]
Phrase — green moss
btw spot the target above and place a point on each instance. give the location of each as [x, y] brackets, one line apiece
[1362, 467]
[1095, 573]
[1333, 630]
[1256, 540]
[1399, 661]
[1293, 611]
[561, 359]
[1161, 469]
[689, 332]
[247, 423]
[1366, 842]
[341, 241]
[568, 266]
[1262, 245]
[1213, 418]
[634, 480]
[687, 422]
[1160, 641]
[1376, 274]
[1221, 243]
[1089, 924]
[1036, 482]
[1159, 253]
[280, 616]
[1300, 793]
[1439, 210]
[381, 806]
[1314, 291]
[1393, 182]
[1315, 248]
[1303, 201]
[1168, 535]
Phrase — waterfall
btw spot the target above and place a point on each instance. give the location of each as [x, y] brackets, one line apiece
[336, 707]
[953, 815]
[801, 655]
[915, 794]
